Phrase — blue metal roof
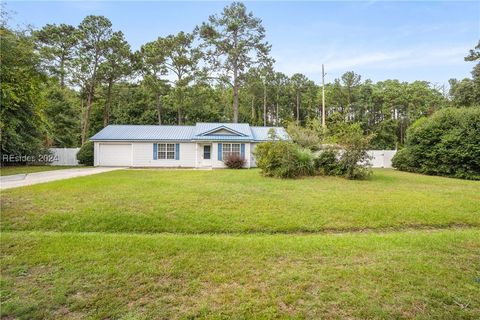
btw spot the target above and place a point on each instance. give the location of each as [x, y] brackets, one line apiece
[262, 133]
[143, 133]
[199, 132]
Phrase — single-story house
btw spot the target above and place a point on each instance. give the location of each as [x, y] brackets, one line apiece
[203, 145]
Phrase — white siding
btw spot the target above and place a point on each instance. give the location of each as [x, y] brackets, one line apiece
[143, 156]
[190, 155]
[253, 163]
[224, 132]
[95, 153]
[219, 164]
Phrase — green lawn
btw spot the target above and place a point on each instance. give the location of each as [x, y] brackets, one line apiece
[225, 201]
[10, 170]
[143, 244]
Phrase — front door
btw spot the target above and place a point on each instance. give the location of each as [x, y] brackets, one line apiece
[207, 155]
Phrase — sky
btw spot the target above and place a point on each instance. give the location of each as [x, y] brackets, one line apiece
[379, 40]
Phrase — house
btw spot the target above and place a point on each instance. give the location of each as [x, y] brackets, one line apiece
[203, 145]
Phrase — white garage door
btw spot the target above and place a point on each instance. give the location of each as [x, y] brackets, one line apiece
[116, 155]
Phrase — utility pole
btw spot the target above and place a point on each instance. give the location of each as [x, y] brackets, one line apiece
[323, 97]
[264, 102]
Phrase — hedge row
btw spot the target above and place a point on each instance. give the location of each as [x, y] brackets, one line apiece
[445, 144]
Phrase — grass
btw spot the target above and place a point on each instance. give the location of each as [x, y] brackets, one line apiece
[11, 170]
[425, 275]
[228, 201]
[143, 244]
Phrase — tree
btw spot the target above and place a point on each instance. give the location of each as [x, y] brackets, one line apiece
[235, 42]
[56, 45]
[117, 65]
[182, 60]
[462, 92]
[254, 90]
[267, 74]
[280, 82]
[299, 83]
[95, 34]
[466, 92]
[351, 82]
[21, 126]
[446, 143]
[343, 95]
[152, 57]
[61, 116]
[474, 54]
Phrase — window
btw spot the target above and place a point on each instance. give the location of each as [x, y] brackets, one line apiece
[206, 152]
[230, 148]
[166, 151]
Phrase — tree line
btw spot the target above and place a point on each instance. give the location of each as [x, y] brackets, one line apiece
[63, 83]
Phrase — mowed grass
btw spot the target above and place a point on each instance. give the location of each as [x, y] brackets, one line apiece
[11, 170]
[226, 244]
[229, 201]
[399, 275]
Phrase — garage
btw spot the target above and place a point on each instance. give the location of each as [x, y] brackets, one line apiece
[115, 155]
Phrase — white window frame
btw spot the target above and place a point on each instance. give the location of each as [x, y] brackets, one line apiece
[230, 148]
[166, 151]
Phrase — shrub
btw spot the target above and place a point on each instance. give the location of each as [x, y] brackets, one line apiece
[445, 144]
[85, 154]
[284, 159]
[309, 137]
[404, 160]
[354, 162]
[304, 161]
[234, 161]
[326, 162]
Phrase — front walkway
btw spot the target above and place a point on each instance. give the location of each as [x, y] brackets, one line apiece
[26, 179]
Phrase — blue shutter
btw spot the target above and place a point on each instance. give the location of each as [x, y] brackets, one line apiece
[177, 151]
[155, 151]
[219, 152]
[242, 150]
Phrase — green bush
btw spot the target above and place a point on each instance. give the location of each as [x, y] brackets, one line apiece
[348, 157]
[445, 144]
[404, 160]
[326, 162]
[309, 137]
[284, 159]
[354, 162]
[85, 154]
[304, 161]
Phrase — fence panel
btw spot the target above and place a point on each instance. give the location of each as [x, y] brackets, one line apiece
[64, 156]
[381, 158]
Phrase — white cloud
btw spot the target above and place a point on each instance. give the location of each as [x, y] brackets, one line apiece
[345, 59]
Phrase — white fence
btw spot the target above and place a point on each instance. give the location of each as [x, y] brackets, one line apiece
[381, 158]
[64, 156]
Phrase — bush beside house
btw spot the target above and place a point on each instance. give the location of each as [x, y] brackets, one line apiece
[284, 159]
[445, 144]
[345, 155]
[234, 161]
[85, 154]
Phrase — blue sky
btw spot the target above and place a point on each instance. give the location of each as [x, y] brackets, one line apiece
[379, 40]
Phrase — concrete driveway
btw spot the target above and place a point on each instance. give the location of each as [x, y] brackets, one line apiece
[26, 179]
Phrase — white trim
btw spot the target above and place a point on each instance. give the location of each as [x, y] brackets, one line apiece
[222, 127]
[166, 152]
